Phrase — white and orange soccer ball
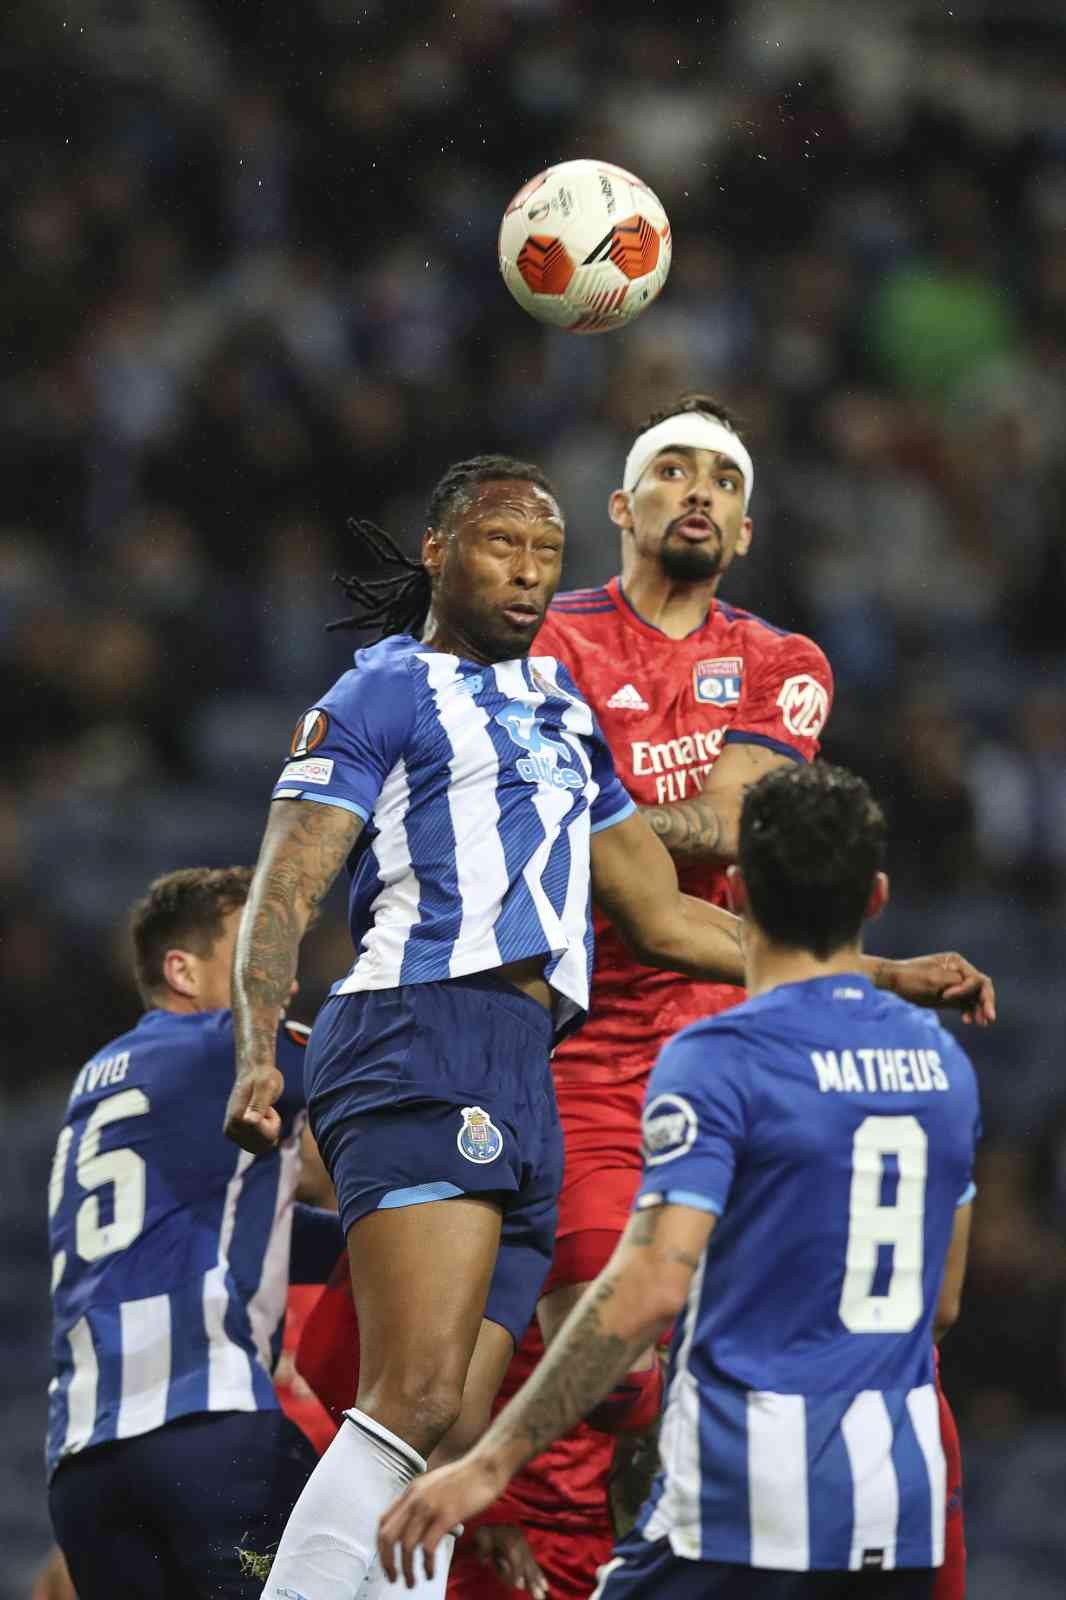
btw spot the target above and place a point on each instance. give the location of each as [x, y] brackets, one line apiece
[585, 246]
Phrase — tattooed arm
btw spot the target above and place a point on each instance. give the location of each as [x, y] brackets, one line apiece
[704, 826]
[634, 1299]
[304, 847]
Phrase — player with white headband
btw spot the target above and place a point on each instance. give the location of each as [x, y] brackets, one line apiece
[697, 699]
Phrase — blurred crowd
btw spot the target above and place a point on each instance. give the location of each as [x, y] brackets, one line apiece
[251, 291]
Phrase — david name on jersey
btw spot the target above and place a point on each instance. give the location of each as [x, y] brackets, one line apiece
[101, 1074]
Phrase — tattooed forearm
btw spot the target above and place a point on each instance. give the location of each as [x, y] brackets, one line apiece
[633, 1467]
[303, 849]
[580, 1367]
[690, 829]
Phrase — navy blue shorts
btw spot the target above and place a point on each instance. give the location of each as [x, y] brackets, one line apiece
[163, 1515]
[433, 1090]
[643, 1570]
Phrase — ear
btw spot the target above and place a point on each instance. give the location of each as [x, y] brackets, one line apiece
[619, 509]
[879, 897]
[744, 537]
[434, 544]
[736, 890]
[181, 972]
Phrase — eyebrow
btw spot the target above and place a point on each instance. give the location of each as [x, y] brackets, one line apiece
[724, 463]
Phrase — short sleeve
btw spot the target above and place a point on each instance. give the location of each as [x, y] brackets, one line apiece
[346, 745]
[786, 698]
[612, 803]
[694, 1123]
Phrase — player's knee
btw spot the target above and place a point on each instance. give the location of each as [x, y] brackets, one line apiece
[420, 1407]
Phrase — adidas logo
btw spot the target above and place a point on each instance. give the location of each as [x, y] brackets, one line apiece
[627, 699]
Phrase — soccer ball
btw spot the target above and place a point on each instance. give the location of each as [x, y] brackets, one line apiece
[585, 246]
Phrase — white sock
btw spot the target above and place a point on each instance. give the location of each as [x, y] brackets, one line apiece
[330, 1540]
[378, 1587]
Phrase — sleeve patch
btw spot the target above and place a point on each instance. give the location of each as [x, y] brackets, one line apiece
[804, 705]
[308, 734]
[298, 1032]
[314, 769]
[669, 1128]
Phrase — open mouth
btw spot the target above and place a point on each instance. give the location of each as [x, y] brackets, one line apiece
[696, 526]
[521, 613]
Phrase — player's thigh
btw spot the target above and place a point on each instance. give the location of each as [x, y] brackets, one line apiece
[104, 1527]
[233, 1478]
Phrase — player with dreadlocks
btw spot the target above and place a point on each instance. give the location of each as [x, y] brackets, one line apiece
[471, 794]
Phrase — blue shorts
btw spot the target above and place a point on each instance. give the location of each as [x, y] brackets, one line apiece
[165, 1513]
[433, 1090]
[649, 1570]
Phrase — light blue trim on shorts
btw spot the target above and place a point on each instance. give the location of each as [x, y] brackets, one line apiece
[418, 1194]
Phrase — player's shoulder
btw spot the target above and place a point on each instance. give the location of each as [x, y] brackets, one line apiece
[376, 665]
[293, 1038]
[766, 638]
[578, 614]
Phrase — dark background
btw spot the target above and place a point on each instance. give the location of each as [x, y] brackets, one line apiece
[251, 289]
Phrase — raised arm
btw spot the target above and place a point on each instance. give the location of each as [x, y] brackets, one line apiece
[304, 847]
[706, 827]
[634, 883]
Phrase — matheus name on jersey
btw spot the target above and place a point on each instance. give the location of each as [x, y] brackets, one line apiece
[480, 787]
[170, 1247]
[831, 1129]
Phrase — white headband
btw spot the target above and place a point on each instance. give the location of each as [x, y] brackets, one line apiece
[699, 432]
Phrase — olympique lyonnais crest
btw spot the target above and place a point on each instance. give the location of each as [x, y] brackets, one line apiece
[479, 1139]
[717, 683]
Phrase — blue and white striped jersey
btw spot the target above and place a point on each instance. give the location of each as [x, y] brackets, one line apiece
[170, 1246]
[480, 787]
[832, 1129]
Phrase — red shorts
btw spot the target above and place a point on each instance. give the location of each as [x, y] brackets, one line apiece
[601, 1134]
[569, 1561]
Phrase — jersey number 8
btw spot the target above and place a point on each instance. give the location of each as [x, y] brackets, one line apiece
[874, 1224]
[123, 1168]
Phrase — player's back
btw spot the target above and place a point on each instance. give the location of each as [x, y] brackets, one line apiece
[170, 1247]
[832, 1129]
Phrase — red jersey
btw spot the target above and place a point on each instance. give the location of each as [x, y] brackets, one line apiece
[668, 707]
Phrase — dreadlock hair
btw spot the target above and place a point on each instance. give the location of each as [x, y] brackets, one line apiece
[705, 404]
[400, 603]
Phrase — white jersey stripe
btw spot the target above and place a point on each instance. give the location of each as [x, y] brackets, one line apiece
[395, 907]
[81, 1391]
[146, 1346]
[777, 1480]
[924, 1413]
[229, 1370]
[867, 1430]
[480, 863]
[677, 1515]
[266, 1308]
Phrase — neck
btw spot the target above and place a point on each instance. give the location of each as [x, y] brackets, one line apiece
[454, 641]
[675, 607]
[767, 964]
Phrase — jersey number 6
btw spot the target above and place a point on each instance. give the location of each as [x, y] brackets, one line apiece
[879, 1219]
[123, 1168]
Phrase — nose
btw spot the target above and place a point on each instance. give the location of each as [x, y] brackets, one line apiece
[525, 571]
[701, 492]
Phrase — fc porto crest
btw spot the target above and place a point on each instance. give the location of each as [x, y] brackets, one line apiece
[479, 1139]
[717, 683]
